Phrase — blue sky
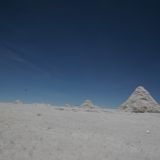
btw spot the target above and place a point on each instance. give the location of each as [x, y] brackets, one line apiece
[66, 52]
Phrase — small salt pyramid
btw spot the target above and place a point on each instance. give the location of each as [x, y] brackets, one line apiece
[141, 101]
[17, 101]
[88, 104]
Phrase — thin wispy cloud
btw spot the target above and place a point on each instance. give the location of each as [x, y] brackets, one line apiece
[16, 55]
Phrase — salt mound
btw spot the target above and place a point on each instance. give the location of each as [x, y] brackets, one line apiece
[88, 104]
[17, 101]
[67, 105]
[141, 101]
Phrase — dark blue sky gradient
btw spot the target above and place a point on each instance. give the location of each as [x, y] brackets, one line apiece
[67, 51]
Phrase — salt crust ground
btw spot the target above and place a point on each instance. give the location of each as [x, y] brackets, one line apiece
[39, 132]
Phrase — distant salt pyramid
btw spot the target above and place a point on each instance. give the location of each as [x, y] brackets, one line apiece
[88, 104]
[141, 101]
[67, 105]
[17, 101]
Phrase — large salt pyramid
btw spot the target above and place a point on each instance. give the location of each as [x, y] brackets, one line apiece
[88, 104]
[141, 101]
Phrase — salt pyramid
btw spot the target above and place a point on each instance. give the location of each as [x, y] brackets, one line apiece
[88, 104]
[141, 101]
[17, 101]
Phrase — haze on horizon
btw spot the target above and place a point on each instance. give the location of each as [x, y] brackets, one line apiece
[68, 51]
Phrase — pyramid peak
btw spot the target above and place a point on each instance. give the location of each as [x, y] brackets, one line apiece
[88, 101]
[140, 88]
